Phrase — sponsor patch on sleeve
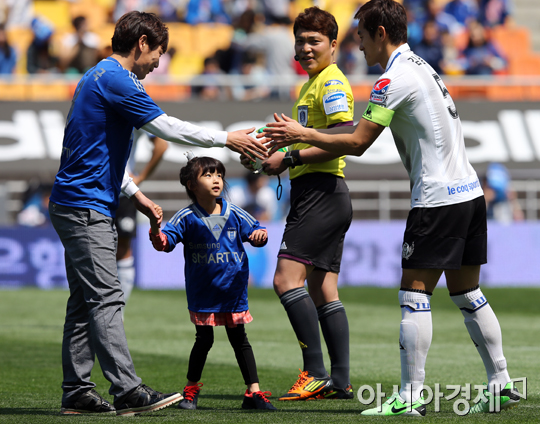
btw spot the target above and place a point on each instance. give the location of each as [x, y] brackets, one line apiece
[378, 93]
[333, 82]
[378, 114]
[335, 101]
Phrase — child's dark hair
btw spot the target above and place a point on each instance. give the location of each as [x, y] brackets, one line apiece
[198, 166]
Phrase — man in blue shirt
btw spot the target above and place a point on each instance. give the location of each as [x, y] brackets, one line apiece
[109, 101]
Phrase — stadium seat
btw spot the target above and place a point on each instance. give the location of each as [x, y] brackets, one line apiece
[513, 41]
[56, 12]
[20, 39]
[10, 91]
[524, 65]
[210, 37]
[95, 13]
[48, 91]
[168, 92]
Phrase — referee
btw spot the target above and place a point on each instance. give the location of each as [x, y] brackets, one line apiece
[446, 229]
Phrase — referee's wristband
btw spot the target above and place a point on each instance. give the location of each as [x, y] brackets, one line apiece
[296, 157]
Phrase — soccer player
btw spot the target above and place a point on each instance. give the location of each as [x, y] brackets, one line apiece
[126, 215]
[109, 101]
[319, 217]
[217, 271]
[446, 229]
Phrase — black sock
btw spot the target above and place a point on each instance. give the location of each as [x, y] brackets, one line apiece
[335, 329]
[204, 339]
[244, 353]
[303, 317]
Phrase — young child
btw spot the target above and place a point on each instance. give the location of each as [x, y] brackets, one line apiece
[216, 272]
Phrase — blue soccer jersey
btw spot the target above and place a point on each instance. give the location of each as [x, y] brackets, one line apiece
[108, 102]
[216, 264]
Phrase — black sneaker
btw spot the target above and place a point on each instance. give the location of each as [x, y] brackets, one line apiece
[144, 399]
[342, 394]
[258, 400]
[89, 402]
[191, 396]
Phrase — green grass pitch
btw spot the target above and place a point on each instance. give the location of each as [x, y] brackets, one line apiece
[160, 337]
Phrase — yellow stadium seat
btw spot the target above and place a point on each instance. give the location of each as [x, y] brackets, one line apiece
[181, 37]
[20, 39]
[210, 37]
[10, 91]
[96, 14]
[56, 12]
[48, 91]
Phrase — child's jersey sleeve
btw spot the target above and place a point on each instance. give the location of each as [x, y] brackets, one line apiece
[248, 223]
[176, 228]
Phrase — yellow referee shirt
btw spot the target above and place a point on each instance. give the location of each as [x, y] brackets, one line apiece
[324, 100]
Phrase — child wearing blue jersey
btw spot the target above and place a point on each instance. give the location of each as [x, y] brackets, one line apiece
[216, 272]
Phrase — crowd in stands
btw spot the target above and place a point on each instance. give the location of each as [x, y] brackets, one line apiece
[452, 35]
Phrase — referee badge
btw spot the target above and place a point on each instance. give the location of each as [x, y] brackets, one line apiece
[231, 234]
[303, 115]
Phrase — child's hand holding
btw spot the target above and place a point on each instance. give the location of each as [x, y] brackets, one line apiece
[258, 238]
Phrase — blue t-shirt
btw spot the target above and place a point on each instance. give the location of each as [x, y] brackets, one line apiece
[108, 103]
[216, 264]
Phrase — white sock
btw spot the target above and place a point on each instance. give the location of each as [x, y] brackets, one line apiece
[485, 332]
[126, 275]
[414, 342]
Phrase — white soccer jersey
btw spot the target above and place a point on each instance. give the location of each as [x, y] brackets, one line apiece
[412, 100]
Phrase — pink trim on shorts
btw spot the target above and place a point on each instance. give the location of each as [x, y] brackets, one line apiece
[214, 319]
[294, 258]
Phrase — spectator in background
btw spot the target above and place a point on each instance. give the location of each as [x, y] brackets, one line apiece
[463, 10]
[494, 12]
[414, 29]
[8, 56]
[79, 49]
[251, 84]
[276, 10]
[39, 58]
[501, 200]
[16, 13]
[35, 211]
[430, 48]
[257, 197]
[481, 56]
[350, 59]
[446, 22]
[206, 11]
[207, 84]
[230, 59]
[274, 41]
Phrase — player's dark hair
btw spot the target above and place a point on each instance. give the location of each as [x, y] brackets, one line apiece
[198, 166]
[133, 25]
[317, 20]
[387, 13]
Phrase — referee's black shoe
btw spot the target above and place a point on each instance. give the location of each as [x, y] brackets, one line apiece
[89, 402]
[144, 399]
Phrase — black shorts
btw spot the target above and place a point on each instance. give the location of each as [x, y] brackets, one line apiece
[446, 237]
[126, 218]
[320, 215]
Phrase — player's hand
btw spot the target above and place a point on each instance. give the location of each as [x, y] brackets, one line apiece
[153, 211]
[258, 238]
[282, 133]
[274, 164]
[241, 142]
[247, 162]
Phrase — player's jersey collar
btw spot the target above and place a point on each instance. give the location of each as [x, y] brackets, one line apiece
[395, 54]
